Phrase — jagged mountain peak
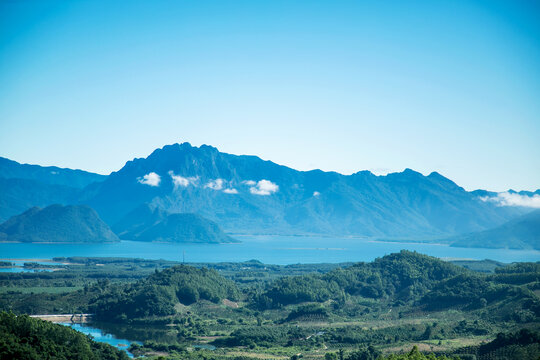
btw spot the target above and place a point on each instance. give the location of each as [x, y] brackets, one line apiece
[248, 194]
[411, 172]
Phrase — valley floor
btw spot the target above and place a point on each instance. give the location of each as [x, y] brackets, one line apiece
[318, 311]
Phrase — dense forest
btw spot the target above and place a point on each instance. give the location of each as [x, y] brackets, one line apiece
[226, 311]
[25, 338]
[403, 277]
[158, 294]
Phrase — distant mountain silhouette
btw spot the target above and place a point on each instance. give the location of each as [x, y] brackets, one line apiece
[51, 175]
[147, 224]
[520, 233]
[484, 193]
[57, 224]
[23, 186]
[18, 195]
[245, 194]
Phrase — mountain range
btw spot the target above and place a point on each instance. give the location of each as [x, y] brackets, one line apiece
[23, 186]
[51, 175]
[245, 194]
[248, 195]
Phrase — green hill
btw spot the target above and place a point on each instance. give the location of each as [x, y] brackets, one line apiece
[58, 224]
[412, 279]
[519, 345]
[147, 224]
[158, 294]
[185, 228]
[22, 337]
[402, 276]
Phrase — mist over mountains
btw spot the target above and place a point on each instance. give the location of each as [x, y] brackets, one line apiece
[245, 194]
[522, 232]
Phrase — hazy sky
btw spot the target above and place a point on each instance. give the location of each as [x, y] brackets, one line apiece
[447, 86]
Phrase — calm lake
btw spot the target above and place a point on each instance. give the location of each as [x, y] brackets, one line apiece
[100, 336]
[117, 335]
[265, 248]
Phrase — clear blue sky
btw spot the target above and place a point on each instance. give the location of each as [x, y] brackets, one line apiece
[447, 86]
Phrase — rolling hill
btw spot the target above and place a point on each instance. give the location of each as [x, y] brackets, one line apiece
[147, 224]
[57, 224]
[520, 233]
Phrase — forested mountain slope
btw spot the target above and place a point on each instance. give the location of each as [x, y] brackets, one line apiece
[249, 195]
[57, 224]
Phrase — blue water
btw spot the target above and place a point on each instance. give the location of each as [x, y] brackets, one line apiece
[22, 262]
[267, 249]
[18, 266]
[16, 270]
[100, 336]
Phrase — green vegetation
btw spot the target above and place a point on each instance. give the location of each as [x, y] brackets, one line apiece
[159, 293]
[403, 277]
[523, 344]
[232, 311]
[25, 338]
[59, 224]
[486, 266]
[153, 224]
[414, 354]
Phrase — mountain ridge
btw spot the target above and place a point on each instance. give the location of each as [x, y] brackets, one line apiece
[52, 175]
[247, 193]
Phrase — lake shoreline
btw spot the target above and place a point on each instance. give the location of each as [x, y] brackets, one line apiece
[278, 250]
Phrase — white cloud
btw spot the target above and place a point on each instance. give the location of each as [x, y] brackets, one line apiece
[264, 187]
[150, 179]
[513, 199]
[215, 184]
[316, 193]
[182, 181]
[249, 182]
[230, 191]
